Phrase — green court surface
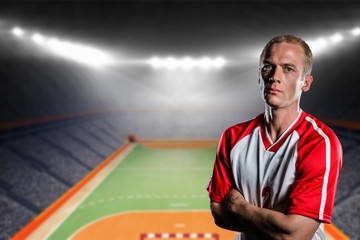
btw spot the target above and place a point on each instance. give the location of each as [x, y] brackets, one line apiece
[146, 180]
[145, 190]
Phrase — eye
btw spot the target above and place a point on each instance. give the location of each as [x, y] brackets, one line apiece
[267, 67]
[289, 69]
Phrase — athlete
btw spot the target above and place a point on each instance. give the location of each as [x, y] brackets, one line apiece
[275, 176]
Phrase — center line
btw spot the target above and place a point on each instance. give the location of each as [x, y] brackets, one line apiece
[179, 225]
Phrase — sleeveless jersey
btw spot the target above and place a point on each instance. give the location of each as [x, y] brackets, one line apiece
[297, 174]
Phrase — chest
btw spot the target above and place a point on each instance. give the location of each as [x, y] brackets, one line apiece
[256, 168]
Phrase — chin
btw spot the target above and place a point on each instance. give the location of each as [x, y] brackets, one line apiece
[272, 103]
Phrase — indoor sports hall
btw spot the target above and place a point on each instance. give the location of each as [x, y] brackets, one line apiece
[111, 111]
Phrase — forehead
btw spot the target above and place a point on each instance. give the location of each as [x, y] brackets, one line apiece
[285, 53]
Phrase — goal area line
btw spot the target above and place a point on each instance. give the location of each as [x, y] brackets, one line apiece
[177, 236]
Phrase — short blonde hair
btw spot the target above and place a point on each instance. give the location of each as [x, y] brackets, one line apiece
[289, 38]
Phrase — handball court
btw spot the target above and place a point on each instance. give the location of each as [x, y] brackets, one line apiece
[147, 189]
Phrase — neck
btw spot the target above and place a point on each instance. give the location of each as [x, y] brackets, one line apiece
[278, 120]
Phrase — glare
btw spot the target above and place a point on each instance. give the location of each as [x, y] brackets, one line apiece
[81, 53]
[155, 62]
[205, 63]
[336, 38]
[53, 41]
[356, 31]
[219, 62]
[318, 45]
[38, 38]
[187, 63]
[98, 58]
[17, 31]
[171, 63]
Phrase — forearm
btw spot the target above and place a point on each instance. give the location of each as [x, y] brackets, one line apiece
[241, 219]
[224, 219]
[268, 223]
[265, 222]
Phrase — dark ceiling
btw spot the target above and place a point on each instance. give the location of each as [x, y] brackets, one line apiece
[144, 28]
[181, 26]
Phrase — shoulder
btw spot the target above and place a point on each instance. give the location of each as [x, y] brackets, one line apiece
[244, 128]
[314, 128]
[234, 133]
[317, 139]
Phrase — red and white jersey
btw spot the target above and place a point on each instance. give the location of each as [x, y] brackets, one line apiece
[297, 174]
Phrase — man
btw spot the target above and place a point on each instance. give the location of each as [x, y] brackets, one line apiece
[275, 176]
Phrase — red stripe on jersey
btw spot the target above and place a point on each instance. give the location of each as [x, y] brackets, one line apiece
[318, 167]
[303, 166]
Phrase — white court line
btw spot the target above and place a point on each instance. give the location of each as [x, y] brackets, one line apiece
[56, 219]
[179, 225]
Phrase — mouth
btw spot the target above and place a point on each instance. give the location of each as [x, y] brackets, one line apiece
[272, 91]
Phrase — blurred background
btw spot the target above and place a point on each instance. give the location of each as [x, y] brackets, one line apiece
[77, 77]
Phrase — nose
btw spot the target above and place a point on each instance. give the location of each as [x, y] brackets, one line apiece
[276, 75]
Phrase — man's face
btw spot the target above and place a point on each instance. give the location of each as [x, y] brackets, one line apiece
[282, 78]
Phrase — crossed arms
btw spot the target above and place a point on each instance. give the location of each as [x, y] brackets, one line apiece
[236, 214]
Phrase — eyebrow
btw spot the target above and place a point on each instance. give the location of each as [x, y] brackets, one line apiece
[288, 65]
[283, 64]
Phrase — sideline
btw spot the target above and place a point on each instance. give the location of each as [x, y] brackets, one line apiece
[332, 232]
[36, 227]
[178, 143]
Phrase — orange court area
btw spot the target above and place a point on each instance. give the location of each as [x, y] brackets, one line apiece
[156, 225]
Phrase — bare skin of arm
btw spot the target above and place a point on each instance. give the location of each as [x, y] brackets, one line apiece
[224, 219]
[236, 214]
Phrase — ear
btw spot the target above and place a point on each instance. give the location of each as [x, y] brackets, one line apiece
[307, 83]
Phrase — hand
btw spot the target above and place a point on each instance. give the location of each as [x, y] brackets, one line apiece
[234, 202]
[234, 198]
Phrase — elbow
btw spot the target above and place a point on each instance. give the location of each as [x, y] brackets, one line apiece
[226, 223]
[221, 223]
[218, 222]
[218, 214]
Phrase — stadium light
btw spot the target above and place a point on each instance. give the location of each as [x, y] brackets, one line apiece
[318, 45]
[38, 38]
[81, 53]
[187, 63]
[17, 31]
[336, 38]
[356, 31]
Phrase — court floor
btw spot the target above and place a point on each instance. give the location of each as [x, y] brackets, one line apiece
[149, 189]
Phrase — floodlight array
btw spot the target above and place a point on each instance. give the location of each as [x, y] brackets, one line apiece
[320, 44]
[187, 63]
[80, 53]
[97, 58]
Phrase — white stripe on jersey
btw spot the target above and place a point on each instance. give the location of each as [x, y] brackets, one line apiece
[254, 169]
[327, 170]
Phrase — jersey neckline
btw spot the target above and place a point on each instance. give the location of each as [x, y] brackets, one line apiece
[268, 144]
